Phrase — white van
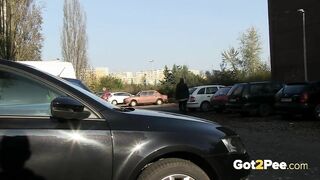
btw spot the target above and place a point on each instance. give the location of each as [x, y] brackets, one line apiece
[57, 68]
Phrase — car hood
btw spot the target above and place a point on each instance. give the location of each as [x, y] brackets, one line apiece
[169, 115]
[158, 121]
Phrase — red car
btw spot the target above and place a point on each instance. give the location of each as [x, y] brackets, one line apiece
[146, 97]
[220, 98]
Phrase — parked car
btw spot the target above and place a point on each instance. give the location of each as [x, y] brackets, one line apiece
[53, 130]
[253, 98]
[299, 98]
[220, 99]
[118, 97]
[200, 97]
[146, 97]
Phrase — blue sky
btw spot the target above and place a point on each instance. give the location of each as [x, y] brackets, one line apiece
[124, 34]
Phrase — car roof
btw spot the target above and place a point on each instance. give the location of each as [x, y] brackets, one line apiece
[119, 92]
[259, 82]
[148, 91]
[204, 86]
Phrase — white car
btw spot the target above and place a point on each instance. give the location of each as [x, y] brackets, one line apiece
[118, 97]
[200, 96]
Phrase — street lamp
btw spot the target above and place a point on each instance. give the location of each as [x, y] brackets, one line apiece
[152, 76]
[302, 11]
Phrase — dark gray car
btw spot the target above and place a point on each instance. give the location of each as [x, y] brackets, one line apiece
[50, 129]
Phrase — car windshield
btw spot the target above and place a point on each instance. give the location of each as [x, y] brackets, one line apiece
[90, 94]
[222, 91]
[294, 89]
[191, 90]
[235, 90]
[77, 83]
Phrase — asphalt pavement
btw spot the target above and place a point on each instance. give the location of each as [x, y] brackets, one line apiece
[271, 138]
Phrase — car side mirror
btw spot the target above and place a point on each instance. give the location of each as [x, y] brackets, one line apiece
[67, 108]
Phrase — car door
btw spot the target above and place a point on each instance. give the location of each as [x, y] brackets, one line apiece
[152, 96]
[143, 97]
[210, 91]
[236, 95]
[122, 96]
[118, 97]
[35, 146]
[201, 95]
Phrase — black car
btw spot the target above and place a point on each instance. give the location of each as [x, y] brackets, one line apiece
[52, 130]
[299, 99]
[253, 98]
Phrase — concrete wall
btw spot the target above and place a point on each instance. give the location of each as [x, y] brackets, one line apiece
[286, 39]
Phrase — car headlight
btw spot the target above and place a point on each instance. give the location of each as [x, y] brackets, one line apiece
[234, 144]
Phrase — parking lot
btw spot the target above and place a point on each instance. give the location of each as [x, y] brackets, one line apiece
[294, 140]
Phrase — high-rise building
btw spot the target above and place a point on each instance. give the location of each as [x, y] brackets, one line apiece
[286, 39]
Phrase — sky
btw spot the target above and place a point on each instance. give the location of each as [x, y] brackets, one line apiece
[124, 35]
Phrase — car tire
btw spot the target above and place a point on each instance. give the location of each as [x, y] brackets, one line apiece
[114, 102]
[173, 168]
[205, 106]
[133, 103]
[159, 102]
[264, 110]
[317, 112]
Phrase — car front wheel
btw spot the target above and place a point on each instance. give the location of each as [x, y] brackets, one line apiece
[114, 102]
[159, 102]
[173, 169]
[133, 103]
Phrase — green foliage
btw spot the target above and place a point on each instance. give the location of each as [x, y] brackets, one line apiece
[231, 60]
[250, 49]
[242, 65]
[172, 78]
[111, 83]
[20, 30]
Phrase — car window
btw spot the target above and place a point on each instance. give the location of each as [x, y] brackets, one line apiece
[211, 90]
[202, 91]
[151, 93]
[22, 96]
[257, 89]
[294, 89]
[143, 94]
[237, 91]
[222, 91]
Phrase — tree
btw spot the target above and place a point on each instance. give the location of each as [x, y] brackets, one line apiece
[20, 30]
[242, 65]
[111, 83]
[231, 60]
[74, 37]
[250, 49]
[172, 78]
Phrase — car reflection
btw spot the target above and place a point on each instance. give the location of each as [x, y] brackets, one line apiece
[14, 153]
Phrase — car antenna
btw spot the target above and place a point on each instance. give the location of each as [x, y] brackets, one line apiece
[61, 71]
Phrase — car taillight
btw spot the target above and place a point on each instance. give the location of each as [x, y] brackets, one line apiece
[304, 98]
[192, 99]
